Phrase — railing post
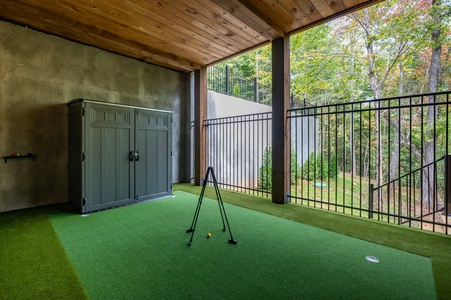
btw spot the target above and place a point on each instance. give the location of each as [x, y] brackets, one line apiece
[447, 184]
[255, 90]
[371, 201]
[227, 91]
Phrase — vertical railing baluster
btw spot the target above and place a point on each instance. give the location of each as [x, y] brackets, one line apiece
[344, 158]
[389, 186]
[370, 200]
[434, 166]
[422, 162]
[237, 147]
[399, 160]
[447, 203]
[351, 152]
[361, 161]
[329, 157]
[336, 161]
[412, 176]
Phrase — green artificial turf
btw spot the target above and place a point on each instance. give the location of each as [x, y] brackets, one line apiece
[435, 246]
[141, 252]
[33, 264]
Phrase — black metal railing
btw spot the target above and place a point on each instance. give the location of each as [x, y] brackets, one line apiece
[238, 150]
[383, 159]
[387, 202]
[226, 80]
[379, 159]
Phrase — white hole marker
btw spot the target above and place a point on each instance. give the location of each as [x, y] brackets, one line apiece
[372, 259]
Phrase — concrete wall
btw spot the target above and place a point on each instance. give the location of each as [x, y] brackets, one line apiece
[236, 149]
[220, 106]
[39, 73]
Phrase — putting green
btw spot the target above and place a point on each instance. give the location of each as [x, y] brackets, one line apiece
[141, 252]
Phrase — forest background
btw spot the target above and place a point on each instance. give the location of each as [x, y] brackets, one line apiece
[395, 48]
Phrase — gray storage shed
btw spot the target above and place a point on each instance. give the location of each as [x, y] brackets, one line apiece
[118, 154]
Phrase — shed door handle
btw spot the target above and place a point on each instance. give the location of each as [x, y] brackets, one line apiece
[133, 156]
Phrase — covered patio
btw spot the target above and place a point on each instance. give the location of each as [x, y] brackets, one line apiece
[149, 54]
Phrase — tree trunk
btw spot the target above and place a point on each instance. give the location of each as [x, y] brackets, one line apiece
[394, 161]
[351, 134]
[429, 145]
[377, 92]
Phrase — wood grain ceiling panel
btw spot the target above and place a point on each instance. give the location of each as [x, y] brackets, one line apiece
[244, 15]
[278, 13]
[112, 25]
[175, 34]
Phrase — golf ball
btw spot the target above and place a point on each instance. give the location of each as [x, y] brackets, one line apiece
[208, 235]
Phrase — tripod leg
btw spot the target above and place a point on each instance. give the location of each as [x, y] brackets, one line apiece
[199, 203]
[196, 213]
[222, 209]
[195, 216]
[193, 225]
[231, 240]
[218, 195]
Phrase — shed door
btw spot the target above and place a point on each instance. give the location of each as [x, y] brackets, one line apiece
[109, 140]
[154, 168]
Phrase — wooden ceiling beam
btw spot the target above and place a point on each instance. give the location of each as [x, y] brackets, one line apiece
[262, 16]
[219, 14]
[248, 17]
[276, 11]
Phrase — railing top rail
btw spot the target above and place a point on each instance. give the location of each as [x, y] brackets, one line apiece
[410, 173]
[267, 114]
[377, 100]
[320, 110]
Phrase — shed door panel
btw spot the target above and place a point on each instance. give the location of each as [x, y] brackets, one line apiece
[109, 171]
[153, 170]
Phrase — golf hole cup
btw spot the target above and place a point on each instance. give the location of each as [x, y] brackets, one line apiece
[209, 235]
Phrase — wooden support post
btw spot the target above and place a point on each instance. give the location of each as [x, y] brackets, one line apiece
[280, 123]
[200, 114]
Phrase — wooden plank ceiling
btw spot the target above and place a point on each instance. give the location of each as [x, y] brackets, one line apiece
[179, 35]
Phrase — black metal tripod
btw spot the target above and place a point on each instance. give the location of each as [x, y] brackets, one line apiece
[221, 208]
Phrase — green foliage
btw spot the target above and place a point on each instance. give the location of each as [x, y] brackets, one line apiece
[265, 171]
[313, 65]
[236, 90]
[319, 167]
[330, 63]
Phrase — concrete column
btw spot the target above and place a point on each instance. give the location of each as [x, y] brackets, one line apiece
[200, 114]
[280, 124]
